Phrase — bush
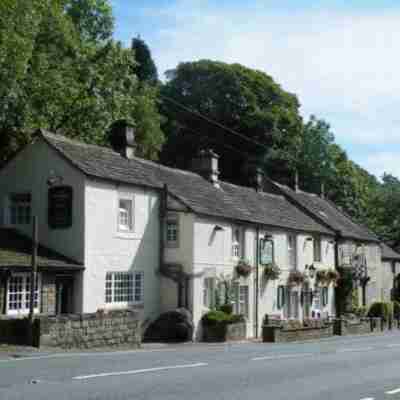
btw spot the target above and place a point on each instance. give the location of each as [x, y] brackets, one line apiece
[380, 309]
[396, 309]
[213, 318]
[226, 308]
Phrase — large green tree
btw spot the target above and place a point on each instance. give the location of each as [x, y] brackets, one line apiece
[71, 78]
[244, 100]
[145, 68]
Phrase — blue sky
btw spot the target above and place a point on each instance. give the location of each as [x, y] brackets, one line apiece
[340, 57]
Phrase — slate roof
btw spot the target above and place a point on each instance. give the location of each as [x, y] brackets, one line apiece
[228, 201]
[330, 214]
[388, 253]
[15, 251]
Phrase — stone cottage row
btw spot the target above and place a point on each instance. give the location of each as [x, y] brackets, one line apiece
[118, 231]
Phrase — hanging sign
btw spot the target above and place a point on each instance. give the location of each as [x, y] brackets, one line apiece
[266, 252]
[60, 207]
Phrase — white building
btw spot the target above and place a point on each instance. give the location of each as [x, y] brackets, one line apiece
[126, 232]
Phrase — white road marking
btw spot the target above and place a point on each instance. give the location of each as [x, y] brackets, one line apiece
[368, 398]
[394, 391]
[139, 371]
[393, 345]
[282, 356]
[349, 350]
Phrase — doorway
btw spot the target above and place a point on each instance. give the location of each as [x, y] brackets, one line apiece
[64, 290]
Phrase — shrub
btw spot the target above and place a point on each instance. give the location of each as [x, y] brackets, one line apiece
[379, 309]
[332, 276]
[214, 318]
[396, 309]
[226, 308]
[361, 311]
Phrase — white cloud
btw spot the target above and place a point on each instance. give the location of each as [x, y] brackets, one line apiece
[379, 163]
[343, 65]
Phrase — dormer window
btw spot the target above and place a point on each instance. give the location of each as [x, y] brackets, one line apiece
[125, 220]
[20, 209]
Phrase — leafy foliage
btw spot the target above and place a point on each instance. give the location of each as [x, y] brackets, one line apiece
[380, 309]
[213, 318]
[145, 68]
[62, 72]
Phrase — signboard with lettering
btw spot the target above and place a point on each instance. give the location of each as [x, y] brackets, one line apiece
[60, 207]
[266, 252]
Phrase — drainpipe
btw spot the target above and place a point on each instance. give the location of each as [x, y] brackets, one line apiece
[338, 311]
[257, 278]
[162, 212]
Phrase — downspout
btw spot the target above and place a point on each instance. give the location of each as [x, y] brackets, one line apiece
[162, 212]
[337, 237]
[256, 292]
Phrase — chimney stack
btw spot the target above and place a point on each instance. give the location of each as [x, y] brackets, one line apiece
[259, 180]
[122, 138]
[206, 164]
[296, 180]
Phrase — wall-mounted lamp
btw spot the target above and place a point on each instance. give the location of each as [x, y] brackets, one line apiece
[309, 239]
[218, 228]
[310, 270]
[54, 179]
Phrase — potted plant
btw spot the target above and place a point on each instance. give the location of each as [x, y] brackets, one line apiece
[332, 276]
[243, 268]
[296, 278]
[321, 277]
[271, 271]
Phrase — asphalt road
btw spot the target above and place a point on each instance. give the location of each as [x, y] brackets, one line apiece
[359, 368]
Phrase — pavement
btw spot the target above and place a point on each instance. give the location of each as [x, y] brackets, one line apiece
[345, 368]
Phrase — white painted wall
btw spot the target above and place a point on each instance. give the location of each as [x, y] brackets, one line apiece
[28, 172]
[108, 250]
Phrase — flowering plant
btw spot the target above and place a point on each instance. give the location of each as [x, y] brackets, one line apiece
[271, 271]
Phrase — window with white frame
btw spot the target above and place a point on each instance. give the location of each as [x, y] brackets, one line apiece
[172, 231]
[124, 288]
[317, 248]
[208, 292]
[20, 208]
[19, 292]
[236, 242]
[292, 250]
[242, 300]
[125, 215]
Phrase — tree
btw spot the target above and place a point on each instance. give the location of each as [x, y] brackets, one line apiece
[70, 79]
[244, 100]
[145, 68]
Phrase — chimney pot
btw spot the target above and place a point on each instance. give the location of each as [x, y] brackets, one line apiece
[122, 138]
[259, 181]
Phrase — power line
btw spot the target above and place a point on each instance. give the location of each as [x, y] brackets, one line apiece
[213, 122]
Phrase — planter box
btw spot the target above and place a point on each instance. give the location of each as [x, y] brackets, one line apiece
[279, 334]
[224, 332]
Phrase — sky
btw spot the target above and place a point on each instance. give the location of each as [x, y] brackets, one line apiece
[340, 57]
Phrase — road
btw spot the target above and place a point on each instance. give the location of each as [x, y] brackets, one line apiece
[345, 368]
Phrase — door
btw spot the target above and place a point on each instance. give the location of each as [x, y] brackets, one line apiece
[64, 290]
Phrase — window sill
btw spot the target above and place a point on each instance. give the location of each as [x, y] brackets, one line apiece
[127, 235]
[172, 245]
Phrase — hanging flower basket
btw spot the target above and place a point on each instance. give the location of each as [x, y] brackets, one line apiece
[271, 272]
[321, 277]
[296, 278]
[332, 276]
[243, 268]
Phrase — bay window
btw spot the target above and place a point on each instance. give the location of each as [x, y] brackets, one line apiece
[19, 292]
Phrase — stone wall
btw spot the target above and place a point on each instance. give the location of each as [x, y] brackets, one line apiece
[361, 326]
[279, 334]
[84, 331]
[221, 332]
[48, 294]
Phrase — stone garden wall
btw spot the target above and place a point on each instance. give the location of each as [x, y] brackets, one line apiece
[285, 333]
[84, 331]
[360, 326]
